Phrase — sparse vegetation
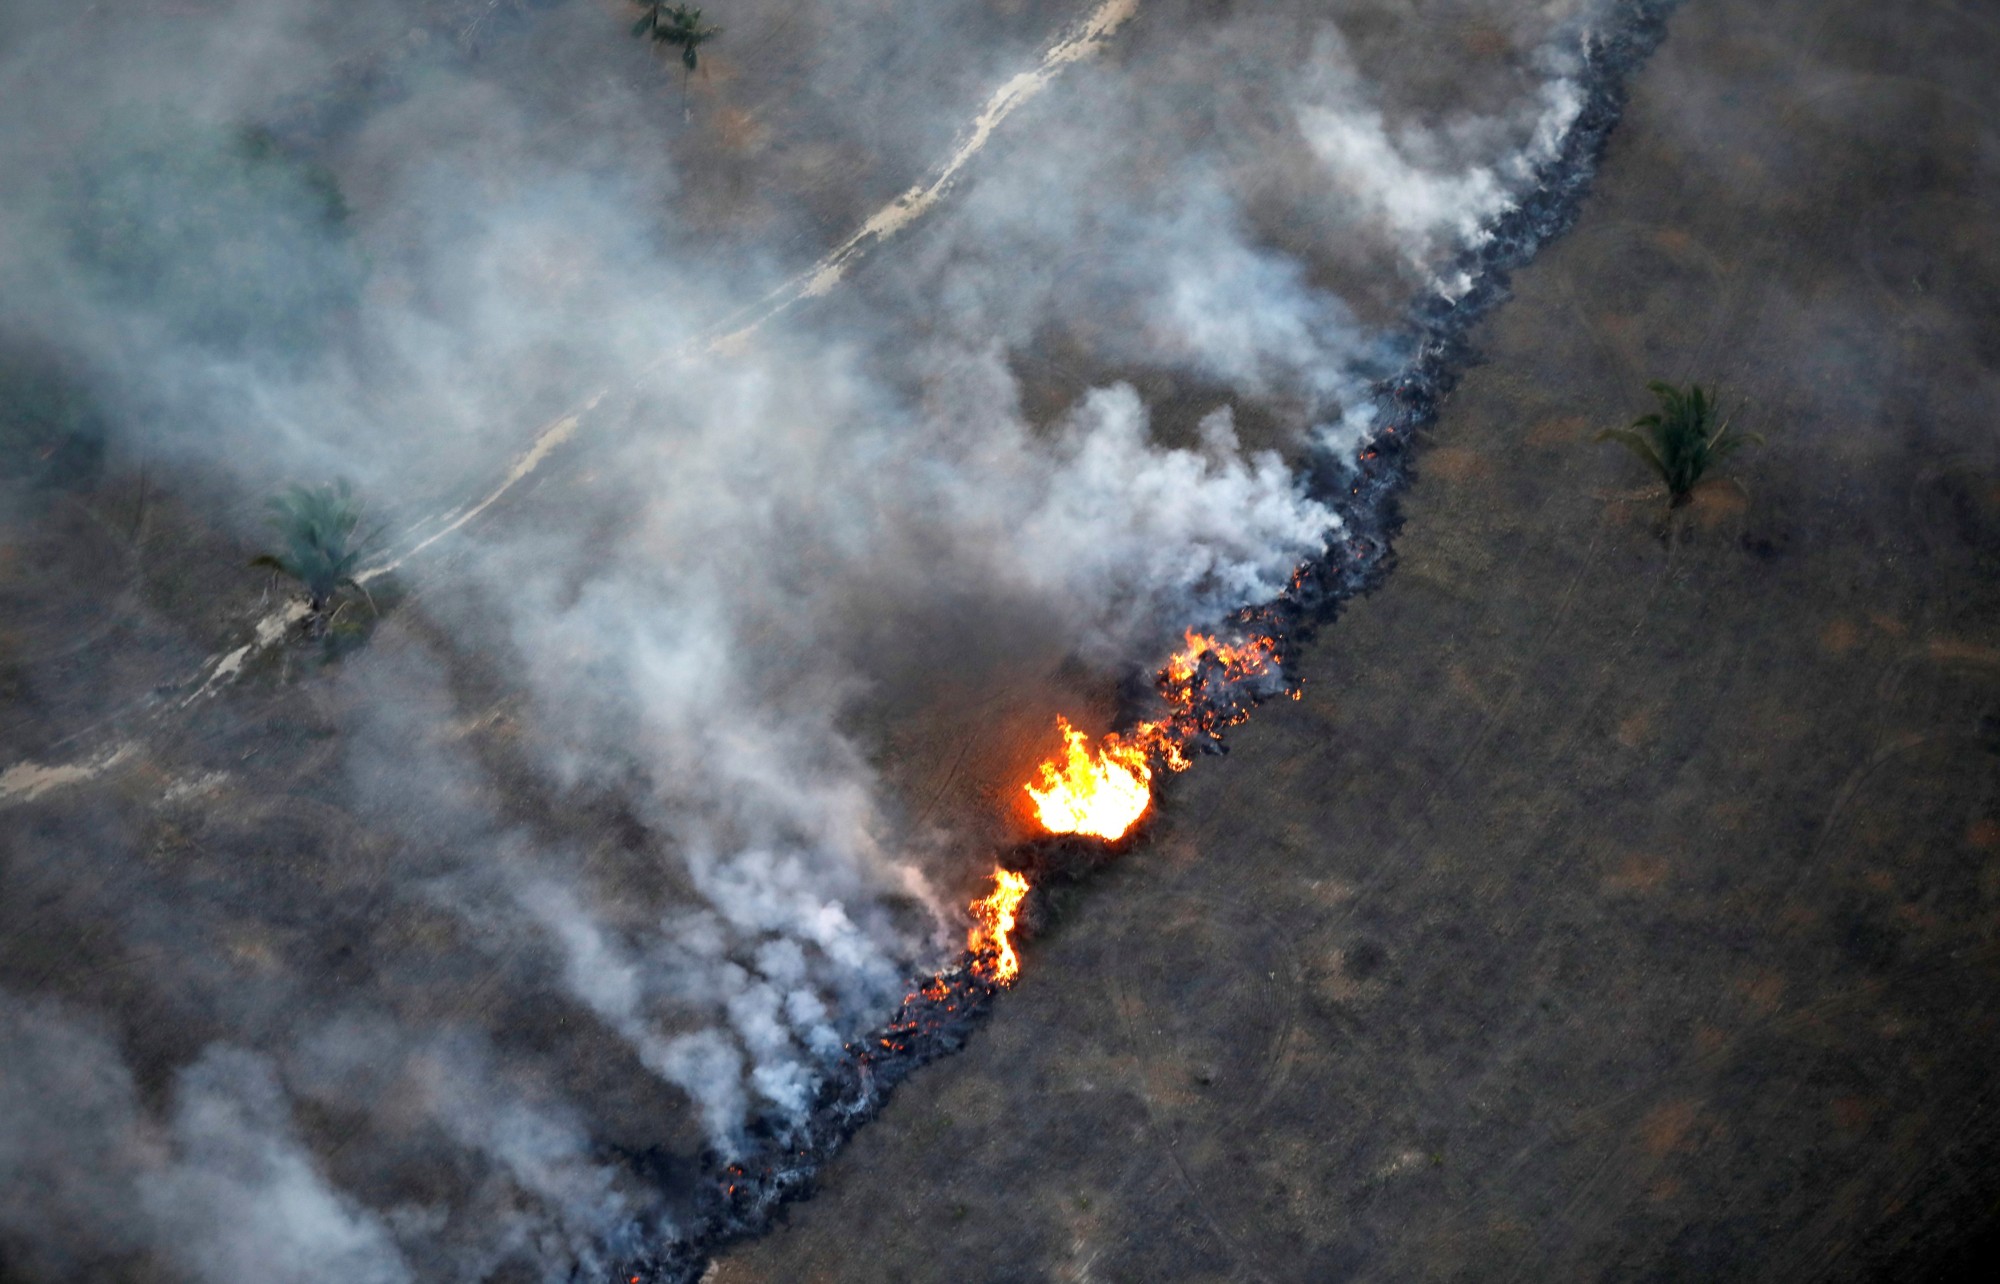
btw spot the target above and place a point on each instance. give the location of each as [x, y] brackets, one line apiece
[678, 25]
[323, 544]
[1682, 441]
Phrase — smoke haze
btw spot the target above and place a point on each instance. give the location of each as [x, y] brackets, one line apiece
[660, 781]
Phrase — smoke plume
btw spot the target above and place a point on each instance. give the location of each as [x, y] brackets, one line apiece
[659, 781]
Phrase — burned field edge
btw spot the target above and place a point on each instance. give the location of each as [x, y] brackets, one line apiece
[740, 1197]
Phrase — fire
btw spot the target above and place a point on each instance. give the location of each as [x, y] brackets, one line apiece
[991, 939]
[1208, 686]
[1103, 794]
[1100, 794]
[1255, 656]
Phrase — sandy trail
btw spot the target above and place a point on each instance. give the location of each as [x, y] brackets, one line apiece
[24, 781]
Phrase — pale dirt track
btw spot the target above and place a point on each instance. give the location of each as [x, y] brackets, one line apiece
[26, 780]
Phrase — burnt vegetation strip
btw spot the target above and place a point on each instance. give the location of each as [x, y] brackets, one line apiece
[741, 1195]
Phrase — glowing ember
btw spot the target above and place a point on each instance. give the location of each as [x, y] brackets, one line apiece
[1100, 794]
[1204, 685]
[991, 939]
[1242, 658]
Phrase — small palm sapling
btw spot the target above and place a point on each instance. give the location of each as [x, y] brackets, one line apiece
[1682, 440]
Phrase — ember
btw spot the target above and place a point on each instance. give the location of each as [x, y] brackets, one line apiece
[1208, 685]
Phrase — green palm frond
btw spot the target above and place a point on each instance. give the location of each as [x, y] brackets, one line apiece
[1681, 441]
[681, 26]
[1726, 443]
[321, 545]
[1639, 444]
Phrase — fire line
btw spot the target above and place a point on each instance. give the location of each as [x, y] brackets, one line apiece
[1102, 793]
[993, 918]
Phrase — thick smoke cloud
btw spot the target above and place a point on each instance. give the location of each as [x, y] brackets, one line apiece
[301, 241]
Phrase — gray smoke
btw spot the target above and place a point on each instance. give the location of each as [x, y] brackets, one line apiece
[635, 765]
[222, 1186]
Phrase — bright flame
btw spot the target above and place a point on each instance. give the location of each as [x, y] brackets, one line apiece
[1180, 685]
[1208, 686]
[1103, 793]
[1099, 794]
[991, 938]
[1254, 656]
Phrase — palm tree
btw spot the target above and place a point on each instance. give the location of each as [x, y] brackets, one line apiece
[1681, 441]
[680, 25]
[321, 548]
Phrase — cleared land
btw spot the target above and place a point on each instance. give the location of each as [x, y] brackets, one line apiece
[1610, 906]
[1606, 910]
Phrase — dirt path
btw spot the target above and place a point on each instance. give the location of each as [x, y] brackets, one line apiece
[26, 780]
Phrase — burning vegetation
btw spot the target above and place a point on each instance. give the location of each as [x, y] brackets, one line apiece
[1089, 802]
[1100, 794]
[1103, 793]
[1207, 686]
[994, 916]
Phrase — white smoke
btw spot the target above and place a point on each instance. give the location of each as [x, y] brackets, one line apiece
[722, 670]
[1120, 521]
[243, 1198]
[70, 1140]
[550, 1199]
[710, 605]
[225, 1188]
[1417, 181]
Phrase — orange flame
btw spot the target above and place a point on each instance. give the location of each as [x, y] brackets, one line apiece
[1254, 656]
[1099, 794]
[991, 938]
[1104, 793]
[1167, 739]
